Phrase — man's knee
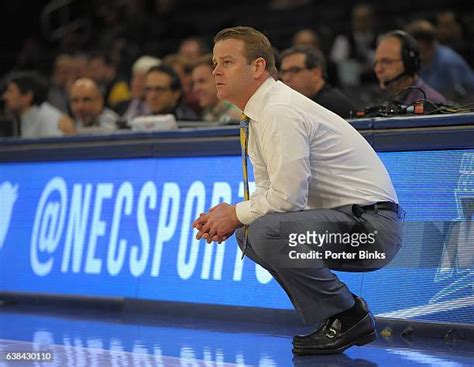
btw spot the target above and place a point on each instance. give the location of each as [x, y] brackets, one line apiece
[239, 236]
[263, 232]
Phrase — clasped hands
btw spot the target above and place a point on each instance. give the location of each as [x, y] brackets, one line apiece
[218, 224]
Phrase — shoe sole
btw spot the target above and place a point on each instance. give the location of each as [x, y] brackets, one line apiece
[366, 339]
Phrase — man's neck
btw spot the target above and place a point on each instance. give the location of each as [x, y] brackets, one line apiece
[24, 110]
[317, 87]
[258, 83]
[402, 84]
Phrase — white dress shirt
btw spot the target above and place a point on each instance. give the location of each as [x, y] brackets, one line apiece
[41, 121]
[105, 123]
[305, 157]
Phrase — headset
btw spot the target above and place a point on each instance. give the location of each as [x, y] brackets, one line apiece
[410, 51]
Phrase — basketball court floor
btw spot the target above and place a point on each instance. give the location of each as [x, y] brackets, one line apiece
[65, 336]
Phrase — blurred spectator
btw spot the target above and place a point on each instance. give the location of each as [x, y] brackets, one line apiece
[61, 80]
[183, 68]
[441, 67]
[397, 64]
[303, 69]
[80, 63]
[450, 32]
[308, 37]
[163, 93]
[192, 48]
[354, 52]
[25, 97]
[204, 86]
[136, 106]
[104, 72]
[87, 106]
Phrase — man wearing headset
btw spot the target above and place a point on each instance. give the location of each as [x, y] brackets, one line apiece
[396, 64]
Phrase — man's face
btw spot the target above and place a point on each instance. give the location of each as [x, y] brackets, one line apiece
[204, 86]
[233, 74]
[306, 37]
[98, 70]
[63, 69]
[388, 60]
[15, 101]
[448, 29]
[159, 96]
[362, 19]
[86, 103]
[190, 49]
[296, 75]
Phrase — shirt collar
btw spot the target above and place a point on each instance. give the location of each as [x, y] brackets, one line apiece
[30, 113]
[253, 108]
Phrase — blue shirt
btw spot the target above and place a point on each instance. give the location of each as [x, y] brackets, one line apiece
[449, 73]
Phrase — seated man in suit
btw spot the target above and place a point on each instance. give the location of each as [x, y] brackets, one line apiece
[303, 68]
[164, 94]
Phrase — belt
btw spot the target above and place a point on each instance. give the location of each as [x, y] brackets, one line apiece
[385, 205]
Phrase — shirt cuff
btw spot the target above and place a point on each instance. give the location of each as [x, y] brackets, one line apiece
[243, 211]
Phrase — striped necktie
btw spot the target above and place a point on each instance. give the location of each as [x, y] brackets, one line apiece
[244, 144]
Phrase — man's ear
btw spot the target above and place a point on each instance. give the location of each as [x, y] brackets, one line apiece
[316, 75]
[260, 66]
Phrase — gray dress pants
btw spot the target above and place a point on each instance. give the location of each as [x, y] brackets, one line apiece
[357, 240]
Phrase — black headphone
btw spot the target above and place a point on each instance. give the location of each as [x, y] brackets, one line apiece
[410, 51]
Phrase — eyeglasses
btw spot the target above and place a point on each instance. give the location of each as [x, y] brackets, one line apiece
[385, 62]
[157, 89]
[293, 70]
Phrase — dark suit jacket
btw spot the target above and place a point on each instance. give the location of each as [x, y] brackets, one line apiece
[334, 100]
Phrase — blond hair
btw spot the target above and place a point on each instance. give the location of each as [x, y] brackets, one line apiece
[256, 45]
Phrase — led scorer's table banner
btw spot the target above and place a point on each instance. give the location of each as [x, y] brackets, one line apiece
[122, 228]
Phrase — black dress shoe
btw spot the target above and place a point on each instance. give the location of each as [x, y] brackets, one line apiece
[330, 339]
[359, 301]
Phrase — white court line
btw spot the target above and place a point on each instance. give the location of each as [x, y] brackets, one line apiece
[423, 359]
[430, 308]
[89, 357]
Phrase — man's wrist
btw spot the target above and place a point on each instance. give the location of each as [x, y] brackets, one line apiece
[238, 223]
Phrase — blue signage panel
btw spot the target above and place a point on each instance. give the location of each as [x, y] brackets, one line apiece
[123, 228]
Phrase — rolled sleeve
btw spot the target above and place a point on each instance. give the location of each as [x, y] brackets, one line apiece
[244, 212]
